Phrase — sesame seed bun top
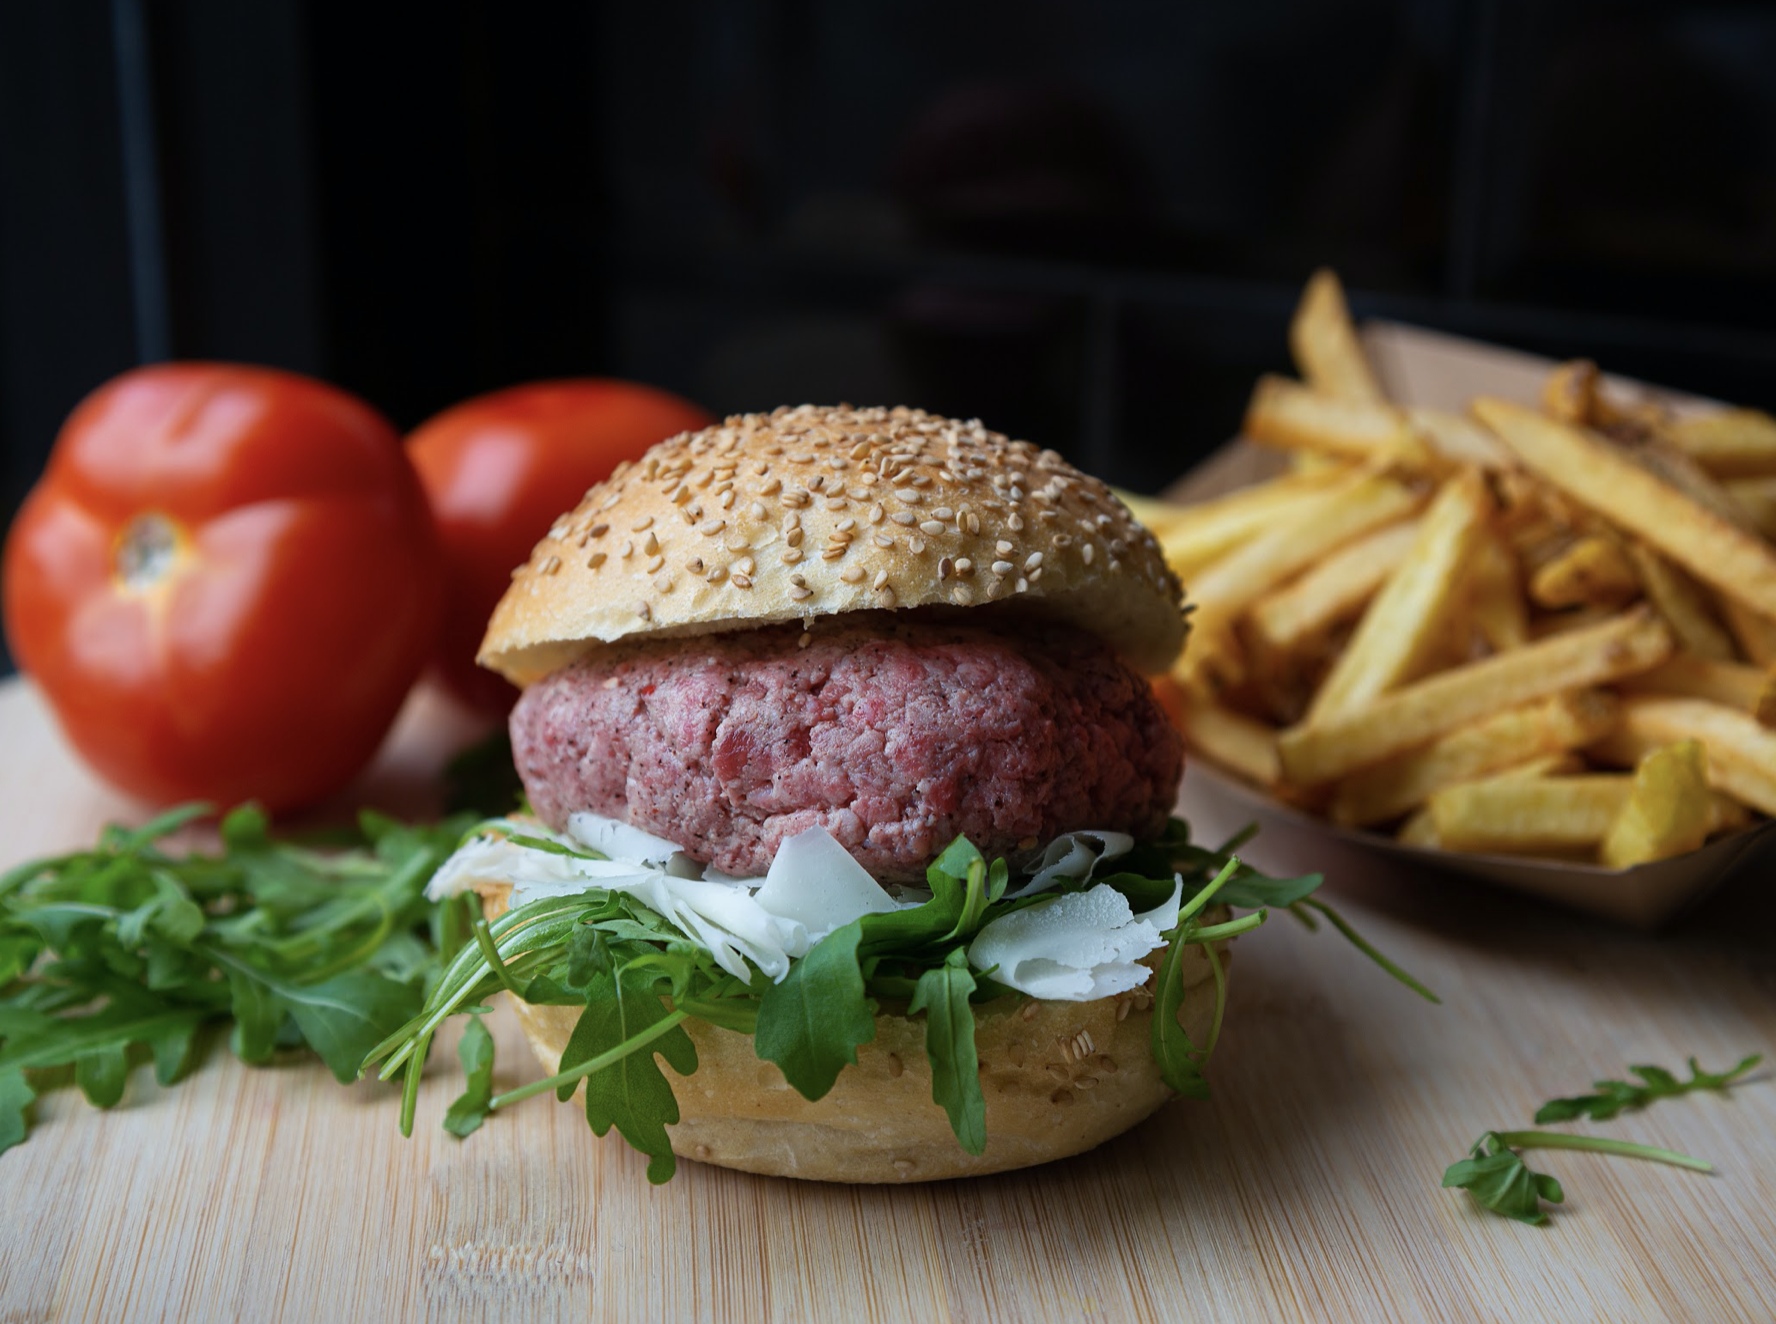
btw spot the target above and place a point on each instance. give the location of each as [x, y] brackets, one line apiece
[809, 512]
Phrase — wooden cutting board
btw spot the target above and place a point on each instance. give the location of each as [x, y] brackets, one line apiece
[1307, 1188]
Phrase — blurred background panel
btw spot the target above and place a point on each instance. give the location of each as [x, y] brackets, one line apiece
[1085, 224]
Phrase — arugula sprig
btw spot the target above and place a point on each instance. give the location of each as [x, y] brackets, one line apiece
[1498, 1179]
[126, 951]
[1656, 1083]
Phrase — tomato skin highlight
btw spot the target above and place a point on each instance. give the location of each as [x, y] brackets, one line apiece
[499, 469]
[224, 584]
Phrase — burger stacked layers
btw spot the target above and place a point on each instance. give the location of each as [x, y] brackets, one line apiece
[892, 630]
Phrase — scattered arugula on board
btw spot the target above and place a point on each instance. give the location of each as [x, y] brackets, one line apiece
[626, 965]
[125, 952]
[1498, 1179]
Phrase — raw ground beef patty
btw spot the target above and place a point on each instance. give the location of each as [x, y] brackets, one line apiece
[894, 739]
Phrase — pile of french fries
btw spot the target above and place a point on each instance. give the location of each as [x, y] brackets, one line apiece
[1540, 631]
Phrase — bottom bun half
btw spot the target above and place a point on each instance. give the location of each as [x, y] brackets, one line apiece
[1058, 1077]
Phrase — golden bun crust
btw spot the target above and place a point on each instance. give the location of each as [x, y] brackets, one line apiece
[809, 512]
[1059, 1078]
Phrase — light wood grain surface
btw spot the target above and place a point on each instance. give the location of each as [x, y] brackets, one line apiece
[1306, 1189]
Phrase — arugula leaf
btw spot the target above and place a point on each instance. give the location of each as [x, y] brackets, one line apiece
[811, 1023]
[632, 1093]
[1499, 1180]
[475, 1051]
[102, 1075]
[16, 1097]
[1178, 1059]
[1614, 1095]
[942, 994]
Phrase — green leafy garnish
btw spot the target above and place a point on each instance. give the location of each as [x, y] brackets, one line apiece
[125, 952]
[942, 994]
[475, 1051]
[1656, 1083]
[1498, 1179]
[631, 1094]
[811, 1023]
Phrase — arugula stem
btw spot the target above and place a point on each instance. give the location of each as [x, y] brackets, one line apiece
[1203, 897]
[484, 939]
[1231, 929]
[1601, 1145]
[410, 1084]
[1363, 945]
[1220, 998]
[599, 1063]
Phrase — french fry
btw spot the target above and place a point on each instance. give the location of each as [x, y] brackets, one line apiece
[1669, 810]
[1421, 828]
[1727, 815]
[1756, 497]
[1741, 752]
[1154, 514]
[1570, 393]
[1682, 603]
[1227, 587]
[1764, 706]
[1457, 439]
[1529, 815]
[1733, 683]
[1211, 529]
[1295, 417]
[1715, 550]
[1547, 727]
[1405, 621]
[1495, 596]
[1324, 342]
[1233, 740]
[1594, 570]
[1729, 443]
[1755, 631]
[1336, 588]
[1419, 712]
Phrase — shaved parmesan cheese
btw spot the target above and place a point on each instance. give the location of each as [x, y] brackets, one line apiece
[1079, 947]
[1074, 856]
[617, 840]
[815, 880]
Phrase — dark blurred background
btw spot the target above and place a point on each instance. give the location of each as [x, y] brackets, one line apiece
[1085, 224]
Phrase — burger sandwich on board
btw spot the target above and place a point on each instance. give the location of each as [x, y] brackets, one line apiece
[851, 856]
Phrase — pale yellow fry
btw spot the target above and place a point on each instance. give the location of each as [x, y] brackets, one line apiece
[1764, 706]
[1729, 443]
[1457, 439]
[1528, 815]
[1287, 414]
[1741, 752]
[1157, 515]
[1727, 815]
[1736, 684]
[1755, 631]
[1288, 617]
[1418, 713]
[1594, 570]
[1757, 498]
[1570, 393]
[1683, 604]
[1226, 588]
[1495, 596]
[1233, 740]
[1407, 619]
[1421, 828]
[1547, 727]
[1669, 810]
[1211, 529]
[1324, 342]
[1715, 550]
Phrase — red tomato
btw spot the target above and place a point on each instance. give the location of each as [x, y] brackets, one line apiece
[224, 583]
[500, 468]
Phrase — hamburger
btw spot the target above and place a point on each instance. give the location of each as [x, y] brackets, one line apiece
[840, 757]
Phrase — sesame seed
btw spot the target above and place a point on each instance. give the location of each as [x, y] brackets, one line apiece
[756, 510]
[695, 565]
[595, 560]
[851, 574]
[1002, 547]
[800, 592]
[793, 537]
[832, 553]
[882, 540]
[845, 525]
[916, 545]
[944, 567]
[644, 611]
[727, 500]
[881, 581]
[964, 566]
[709, 528]
[799, 581]
[771, 487]
[931, 526]
[1003, 567]
[1033, 561]
[611, 500]
[628, 550]
[876, 514]
[1087, 553]
[971, 522]
[909, 494]
[1015, 522]
[905, 517]
[550, 565]
[1031, 1010]
[739, 580]
[650, 545]
[599, 530]
[643, 525]
[745, 565]
[943, 512]
[961, 595]
[792, 556]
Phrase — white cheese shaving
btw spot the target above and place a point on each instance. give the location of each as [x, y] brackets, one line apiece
[815, 880]
[1079, 947]
[1074, 856]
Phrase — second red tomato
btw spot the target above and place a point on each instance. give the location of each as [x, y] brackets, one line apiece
[499, 468]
